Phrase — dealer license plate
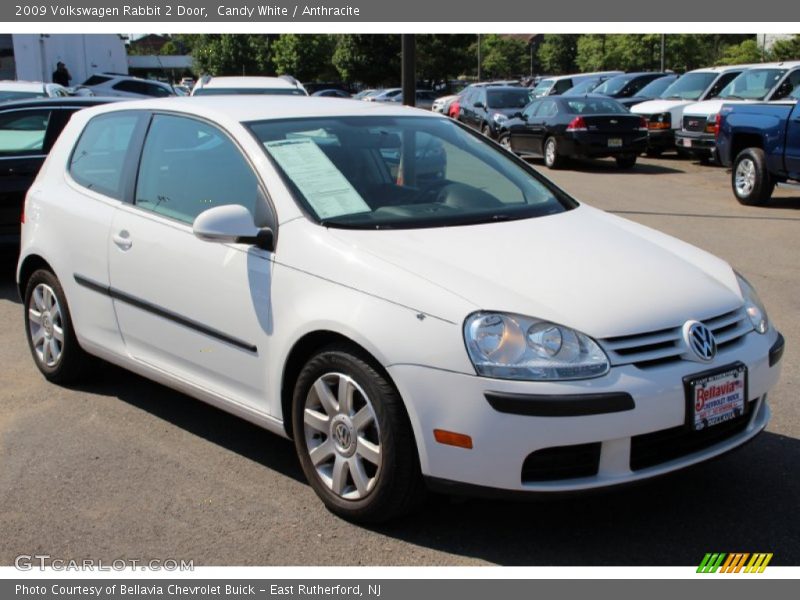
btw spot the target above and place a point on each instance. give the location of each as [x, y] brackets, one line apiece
[717, 396]
[687, 143]
[615, 142]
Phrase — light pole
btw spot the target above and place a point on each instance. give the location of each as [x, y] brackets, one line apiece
[479, 57]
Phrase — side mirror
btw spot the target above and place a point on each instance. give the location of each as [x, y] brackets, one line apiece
[232, 223]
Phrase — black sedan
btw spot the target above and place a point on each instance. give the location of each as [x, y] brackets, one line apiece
[28, 129]
[627, 84]
[562, 127]
[651, 91]
[485, 108]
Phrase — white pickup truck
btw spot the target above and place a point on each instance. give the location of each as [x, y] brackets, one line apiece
[768, 82]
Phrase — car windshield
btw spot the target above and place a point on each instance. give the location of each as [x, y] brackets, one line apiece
[515, 98]
[689, 87]
[542, 87]
[595, 106]
[251, 91]
[612, 86]
[655, 88]
[583, 88]
[753, 84]
[10, 95]
[377, 172]
[795, 95]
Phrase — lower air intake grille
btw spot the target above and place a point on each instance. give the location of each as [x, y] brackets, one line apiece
[562, 462]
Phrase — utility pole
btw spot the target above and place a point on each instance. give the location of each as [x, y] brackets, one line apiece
[663, 49]
[409, 72]
[479, 57]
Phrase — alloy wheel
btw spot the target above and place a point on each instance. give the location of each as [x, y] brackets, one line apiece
[745, 177]
[342, 436]
[46, 325]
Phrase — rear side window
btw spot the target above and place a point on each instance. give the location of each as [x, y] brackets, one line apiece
[98, 160]
[562, 85]
[189, 166]
[96, 80]
[142, 87]
[22, 132]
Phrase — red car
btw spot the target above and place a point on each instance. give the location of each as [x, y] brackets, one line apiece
[455, 108]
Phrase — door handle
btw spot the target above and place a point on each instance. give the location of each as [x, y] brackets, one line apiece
[122, 240]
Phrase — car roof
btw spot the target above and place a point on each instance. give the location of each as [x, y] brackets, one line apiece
[24, 86]
[76, 101]
[248, 82]
[245, 108]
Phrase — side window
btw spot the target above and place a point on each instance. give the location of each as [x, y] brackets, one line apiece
[562, 86]
[530, 110]
[787, 86]
[189, 166]
[98, 160]
[22, 132]
[156, 91]
[720, 83]
[547, 108]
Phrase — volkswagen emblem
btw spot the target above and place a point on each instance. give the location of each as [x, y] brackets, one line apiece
[700, 340]
[342, 433]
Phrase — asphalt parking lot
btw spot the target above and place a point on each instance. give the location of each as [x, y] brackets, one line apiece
[125, 468]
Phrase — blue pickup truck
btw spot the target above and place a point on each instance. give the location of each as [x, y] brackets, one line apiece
[761, 142]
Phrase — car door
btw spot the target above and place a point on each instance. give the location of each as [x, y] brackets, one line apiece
[23, 133]
[792, 153]
[540, 124]
[196, 310]
[521, 133]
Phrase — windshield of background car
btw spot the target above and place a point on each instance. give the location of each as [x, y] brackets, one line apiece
[514, 98]
[753, 84]
[689, 87]
[375, 172]
[655, 88]
[251, 91]
[795, 95]
[583, 88]
[595, 106]
[542, 87]
[612, 86]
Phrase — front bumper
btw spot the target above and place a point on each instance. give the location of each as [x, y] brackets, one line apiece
[626, 444]
[698, 143]
[661, 139]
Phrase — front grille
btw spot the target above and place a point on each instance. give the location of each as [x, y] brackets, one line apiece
[562, 462]
[659, 447]
[694, 123]
[654, 348]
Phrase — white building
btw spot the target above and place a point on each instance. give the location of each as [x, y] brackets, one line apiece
[33, 57]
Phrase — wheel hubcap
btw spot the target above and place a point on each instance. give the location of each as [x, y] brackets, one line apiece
[550, 152]
[745, 177]
[342, 436]
[505, 142]
[46, 325]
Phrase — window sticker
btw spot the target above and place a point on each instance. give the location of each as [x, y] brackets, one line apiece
[328, 192]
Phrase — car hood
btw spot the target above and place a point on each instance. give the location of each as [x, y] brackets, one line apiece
[710, 107]
[654, 107]
[583, 268]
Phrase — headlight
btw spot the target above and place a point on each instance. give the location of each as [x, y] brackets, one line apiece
[508, 346]
[660, 121]
[499, 117]
[753, 305]
[711, 123]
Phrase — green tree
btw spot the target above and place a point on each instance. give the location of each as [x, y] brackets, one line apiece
[786, 49]
[231, 54]
[557, 53]
[502, 56]
[739, 54]
[441, 57]
[368, 58]
[305, 56]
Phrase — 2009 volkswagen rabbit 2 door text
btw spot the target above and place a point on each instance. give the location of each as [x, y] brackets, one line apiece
[409, 302]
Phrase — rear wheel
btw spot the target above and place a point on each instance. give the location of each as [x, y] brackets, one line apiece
[49, 330]
[505, 141]
[751, 181]
[486, 131]
[552, 158]
[354, 439]
[626, 161]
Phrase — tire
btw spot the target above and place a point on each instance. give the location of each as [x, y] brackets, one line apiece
[751, 182]
[486, 131]
[505, 141]
[626, 161]
[373, 486]
[48, 327]
[654, 152]
[552, 159]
